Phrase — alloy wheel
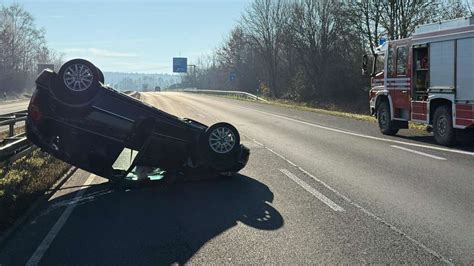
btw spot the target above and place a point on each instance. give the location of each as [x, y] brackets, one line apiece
[78, 77]
[222, 140]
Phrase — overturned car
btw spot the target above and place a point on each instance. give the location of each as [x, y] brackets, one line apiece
[75, 117]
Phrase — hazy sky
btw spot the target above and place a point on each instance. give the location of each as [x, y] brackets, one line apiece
[134, 36]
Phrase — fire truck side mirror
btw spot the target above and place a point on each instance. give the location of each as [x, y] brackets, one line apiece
[365, 60]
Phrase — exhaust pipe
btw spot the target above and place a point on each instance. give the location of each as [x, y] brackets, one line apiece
[429, 129]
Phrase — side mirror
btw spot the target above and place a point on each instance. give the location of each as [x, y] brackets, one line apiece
[365, 61]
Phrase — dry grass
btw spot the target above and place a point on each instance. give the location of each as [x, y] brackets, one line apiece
[24, 181]
[4, 131]
[327, 110]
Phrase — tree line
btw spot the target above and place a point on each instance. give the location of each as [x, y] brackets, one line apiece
[310, 50]
[22, 47]
[139, 81]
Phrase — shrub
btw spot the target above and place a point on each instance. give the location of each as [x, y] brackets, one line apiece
[22, 182]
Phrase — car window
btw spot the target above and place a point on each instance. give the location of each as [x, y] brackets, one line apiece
[390, 62]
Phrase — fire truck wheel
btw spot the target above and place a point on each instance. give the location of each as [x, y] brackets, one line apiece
[386, 124]
[443, 130]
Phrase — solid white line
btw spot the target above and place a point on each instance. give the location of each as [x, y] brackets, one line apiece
[270, 150]
[418, 152]
[43, 247]
[313, 191]
[258, 143]
[380, 219]
[356, 205]
[374, 216]
[362, 135]
[281, 156]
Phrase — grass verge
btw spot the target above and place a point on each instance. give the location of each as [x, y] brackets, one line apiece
[320, 110]
[22, 182]
[18, 130]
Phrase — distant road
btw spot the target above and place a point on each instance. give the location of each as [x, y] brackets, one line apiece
[10, 107]
[318, 189]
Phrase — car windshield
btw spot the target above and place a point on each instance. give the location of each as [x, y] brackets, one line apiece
[125, 166]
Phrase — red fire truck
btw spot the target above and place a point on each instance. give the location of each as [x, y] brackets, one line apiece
[427, 78]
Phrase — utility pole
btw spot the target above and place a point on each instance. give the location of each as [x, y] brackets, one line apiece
[193, 73]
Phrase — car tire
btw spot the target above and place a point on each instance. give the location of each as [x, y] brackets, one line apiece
[101, 76]
[221, 141]
[386, 124]
[78, 81]
[443, 130]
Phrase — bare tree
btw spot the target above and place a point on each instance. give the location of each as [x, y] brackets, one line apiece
[316, 27]
[311, 50]
[454, 9]
[236, 58]
[470, 7]
[367, 15]
[264, 22]
[401, 17]
[22, 46]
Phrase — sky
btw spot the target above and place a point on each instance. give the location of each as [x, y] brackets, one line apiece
[134, 36]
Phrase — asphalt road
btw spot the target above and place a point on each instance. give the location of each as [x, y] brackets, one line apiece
[11, 107]
[15, 106]
[317, 189]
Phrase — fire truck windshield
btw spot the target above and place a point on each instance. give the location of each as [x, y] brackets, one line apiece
[379, 63]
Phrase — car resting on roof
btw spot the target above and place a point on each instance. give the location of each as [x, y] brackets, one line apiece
[74, 116]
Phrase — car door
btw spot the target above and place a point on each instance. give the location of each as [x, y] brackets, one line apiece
[398, 83]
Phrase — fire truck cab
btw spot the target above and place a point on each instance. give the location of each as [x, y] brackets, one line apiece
[427, 78]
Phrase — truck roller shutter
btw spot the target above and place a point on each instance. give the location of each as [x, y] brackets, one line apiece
[442, 65]
[465, 69]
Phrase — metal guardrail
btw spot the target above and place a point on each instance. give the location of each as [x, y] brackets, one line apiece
[229, 93]
[11, 119]
[14, 146]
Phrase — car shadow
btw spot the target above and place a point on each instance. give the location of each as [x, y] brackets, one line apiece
[159, 224]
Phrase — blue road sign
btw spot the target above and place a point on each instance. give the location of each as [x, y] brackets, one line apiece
[232, 76]
[180, 64]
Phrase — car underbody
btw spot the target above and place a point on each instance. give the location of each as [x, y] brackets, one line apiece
[75, 117]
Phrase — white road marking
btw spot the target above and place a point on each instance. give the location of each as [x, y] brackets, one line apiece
[380, 219]
[362, 135]
[281, 156]
[419, 153]
[43, 247]
[331, 204]
[374, 216]
[356, 205]
[270, 150]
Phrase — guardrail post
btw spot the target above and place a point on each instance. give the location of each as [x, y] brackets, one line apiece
[11, 130]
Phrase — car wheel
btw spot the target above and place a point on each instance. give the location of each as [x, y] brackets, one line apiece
[77, 82]
[443, 130]
[386, 124]
[222, 140]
